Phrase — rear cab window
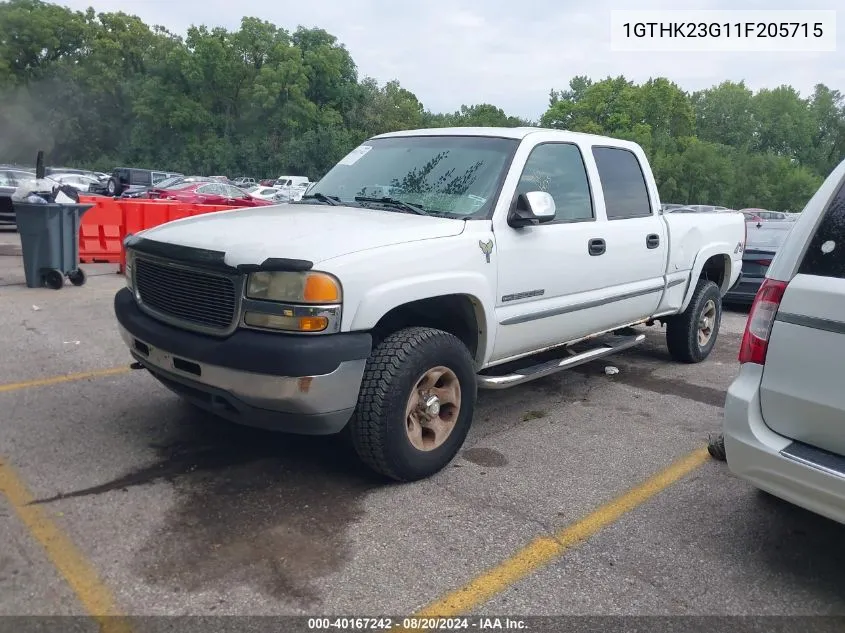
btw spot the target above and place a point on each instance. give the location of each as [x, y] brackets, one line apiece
[825, 256]
[141, 177]
[624, 185]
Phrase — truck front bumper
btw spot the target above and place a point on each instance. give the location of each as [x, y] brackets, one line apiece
[296, 384]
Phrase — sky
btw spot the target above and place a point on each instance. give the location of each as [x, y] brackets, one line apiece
[507, 52]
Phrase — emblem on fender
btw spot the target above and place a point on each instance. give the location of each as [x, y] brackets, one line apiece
[486, 248]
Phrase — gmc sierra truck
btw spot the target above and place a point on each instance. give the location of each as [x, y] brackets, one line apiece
[427, 264]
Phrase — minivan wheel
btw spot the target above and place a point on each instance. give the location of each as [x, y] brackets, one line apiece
[691, 336]
[112, 187]
[416, 404]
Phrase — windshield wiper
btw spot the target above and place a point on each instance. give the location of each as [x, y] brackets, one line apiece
[394, 202]
[331, 200]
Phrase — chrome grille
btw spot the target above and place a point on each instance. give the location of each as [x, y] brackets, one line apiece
[198, 299]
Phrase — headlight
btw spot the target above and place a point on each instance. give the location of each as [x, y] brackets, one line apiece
[288, 287]
[128, 268]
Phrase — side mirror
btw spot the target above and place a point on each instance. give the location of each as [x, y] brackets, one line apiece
[534, 207]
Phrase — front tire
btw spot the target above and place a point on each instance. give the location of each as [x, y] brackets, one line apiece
[691, 336]
[416, 404]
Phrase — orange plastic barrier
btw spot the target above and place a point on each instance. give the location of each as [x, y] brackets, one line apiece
[100, 230]
[104, 226]
[140, 215]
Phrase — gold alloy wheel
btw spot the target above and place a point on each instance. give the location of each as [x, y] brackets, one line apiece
[706, 323]
[433, 408]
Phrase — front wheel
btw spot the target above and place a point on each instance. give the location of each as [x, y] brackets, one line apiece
[691, 336]
[416, 404]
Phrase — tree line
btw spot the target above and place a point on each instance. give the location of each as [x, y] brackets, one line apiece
[99, 90]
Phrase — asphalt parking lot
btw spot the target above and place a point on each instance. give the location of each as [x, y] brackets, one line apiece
[583, 493]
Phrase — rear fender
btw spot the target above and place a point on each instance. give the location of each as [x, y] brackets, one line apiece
[718, 249]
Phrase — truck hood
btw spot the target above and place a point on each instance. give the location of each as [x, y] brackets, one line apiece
[311, 232]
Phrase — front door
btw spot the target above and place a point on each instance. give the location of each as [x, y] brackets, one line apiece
[546, 270]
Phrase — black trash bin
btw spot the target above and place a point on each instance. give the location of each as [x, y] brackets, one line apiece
[50, 242]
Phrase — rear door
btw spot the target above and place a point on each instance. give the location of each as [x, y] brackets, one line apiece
[802, 393]
[636, 246]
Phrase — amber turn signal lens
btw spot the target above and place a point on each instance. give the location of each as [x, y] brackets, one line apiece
[288, 323]
[321, 289]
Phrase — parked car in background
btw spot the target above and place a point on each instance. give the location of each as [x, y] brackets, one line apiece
[96, 175]
[784, 421]
[212, 193]
[294, 186]
[243, 182]
[157, 190]
[130, 179]
[763, 241]
[750, 216]
[10, 180]
[224, 179]
[77, 181]
[267, 182]
[149, 192]
[667, 207]
[765, 214]
[700, 208]
[268, 193]
[292, 181]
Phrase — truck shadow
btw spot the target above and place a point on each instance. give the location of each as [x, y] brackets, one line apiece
[252, 508]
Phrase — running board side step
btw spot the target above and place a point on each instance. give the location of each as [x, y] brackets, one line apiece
[548, 368]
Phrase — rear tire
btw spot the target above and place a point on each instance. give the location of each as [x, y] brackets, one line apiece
[691, 335]
[393, 431]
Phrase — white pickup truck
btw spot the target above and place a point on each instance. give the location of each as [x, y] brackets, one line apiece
[425, 265]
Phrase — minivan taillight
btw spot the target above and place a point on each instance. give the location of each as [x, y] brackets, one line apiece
[758, 328]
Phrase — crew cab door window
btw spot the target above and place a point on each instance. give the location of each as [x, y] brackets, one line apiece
[141, 178]
[623, 183]
[558, 169]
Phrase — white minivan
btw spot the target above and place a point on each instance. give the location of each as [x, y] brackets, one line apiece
[784, 427]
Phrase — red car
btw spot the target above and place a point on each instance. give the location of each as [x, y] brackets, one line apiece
[208, 193]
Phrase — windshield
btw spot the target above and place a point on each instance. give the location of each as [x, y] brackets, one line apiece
[179, 186]
[167, 182]
[452, 175]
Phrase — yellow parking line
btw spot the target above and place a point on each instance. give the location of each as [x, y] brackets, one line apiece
[68, 560]
[545, 549]
[56, 380]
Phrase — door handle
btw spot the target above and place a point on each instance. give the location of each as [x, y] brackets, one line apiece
[596, 246]
[652, 241]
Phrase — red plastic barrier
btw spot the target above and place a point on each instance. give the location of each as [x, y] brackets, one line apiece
[140, 215]
[104, 226]
[100, 230]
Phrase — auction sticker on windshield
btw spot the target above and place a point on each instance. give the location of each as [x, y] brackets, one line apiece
[355, 155]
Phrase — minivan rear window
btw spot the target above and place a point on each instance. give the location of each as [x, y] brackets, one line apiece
[825, 256]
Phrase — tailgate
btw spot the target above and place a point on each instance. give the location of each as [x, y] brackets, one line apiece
[802, 393]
